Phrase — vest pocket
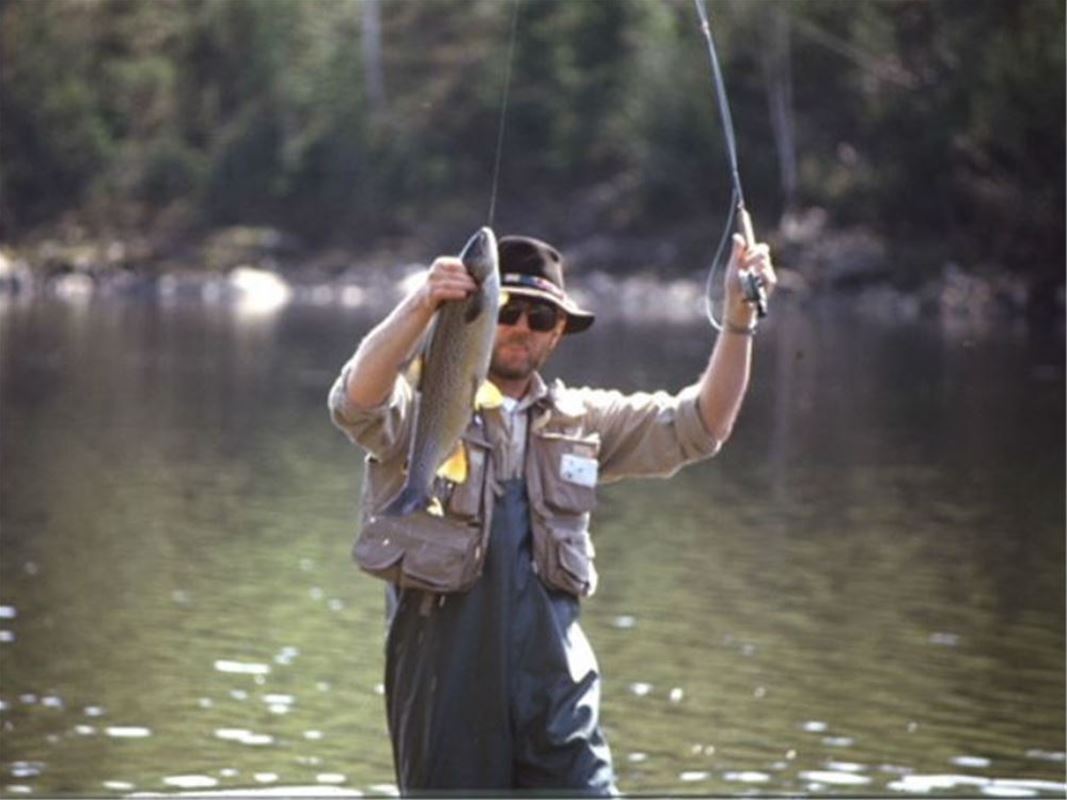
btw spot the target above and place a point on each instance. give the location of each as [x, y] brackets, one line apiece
[568, 471]
[420, 551]
[570, 563]
[438, 565]
[465, 499]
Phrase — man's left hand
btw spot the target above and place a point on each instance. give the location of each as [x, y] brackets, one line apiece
[738, 312]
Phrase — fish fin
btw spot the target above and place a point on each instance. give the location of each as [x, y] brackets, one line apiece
[407, 502]
[488, 396]
[455, 467]
[474, 307]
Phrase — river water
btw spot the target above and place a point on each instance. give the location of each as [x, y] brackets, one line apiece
[862, 594]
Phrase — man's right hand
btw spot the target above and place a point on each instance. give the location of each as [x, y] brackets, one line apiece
[377, 362]
[447, 279]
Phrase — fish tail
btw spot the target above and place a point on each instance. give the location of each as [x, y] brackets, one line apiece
[407, 502]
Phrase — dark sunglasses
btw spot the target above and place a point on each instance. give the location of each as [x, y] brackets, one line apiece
[541, 317]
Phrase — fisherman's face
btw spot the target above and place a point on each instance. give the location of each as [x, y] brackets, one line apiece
[519, 350]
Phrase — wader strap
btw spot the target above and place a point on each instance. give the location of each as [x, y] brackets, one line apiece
[426, 606]
[428, 601]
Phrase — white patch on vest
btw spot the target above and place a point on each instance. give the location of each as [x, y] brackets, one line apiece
[578, 470]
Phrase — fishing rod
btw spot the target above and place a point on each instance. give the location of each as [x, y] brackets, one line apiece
[503, 113]
[751, 283]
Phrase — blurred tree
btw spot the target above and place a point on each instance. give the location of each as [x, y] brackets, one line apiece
[374, 74]
[778, 73]
[937, 125]
[56, 135]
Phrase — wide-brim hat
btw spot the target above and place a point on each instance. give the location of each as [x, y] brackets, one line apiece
[532, 268]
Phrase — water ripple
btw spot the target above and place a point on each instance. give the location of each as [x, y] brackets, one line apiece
[128, 732]
[241, 667]
[190, 781]
[746, 776]
[693, 776]
[835, 778]
[244, 736]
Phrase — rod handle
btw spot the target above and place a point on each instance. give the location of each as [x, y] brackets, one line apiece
[746, 226]
[753, 286]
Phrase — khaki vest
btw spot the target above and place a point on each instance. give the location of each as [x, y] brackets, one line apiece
[446, 553]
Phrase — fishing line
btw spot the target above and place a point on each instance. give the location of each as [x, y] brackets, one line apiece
[737, 196]
[503, 113]
[724, 104]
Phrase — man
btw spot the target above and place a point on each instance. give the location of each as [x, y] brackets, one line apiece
[496, 688]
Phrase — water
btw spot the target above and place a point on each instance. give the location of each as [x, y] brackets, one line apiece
[863, 594]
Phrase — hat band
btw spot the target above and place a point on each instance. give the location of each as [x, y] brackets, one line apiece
[532, 282]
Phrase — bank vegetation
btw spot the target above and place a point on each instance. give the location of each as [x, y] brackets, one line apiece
[879, 141]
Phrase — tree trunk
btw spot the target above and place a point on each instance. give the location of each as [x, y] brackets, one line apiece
[777, 68]
[373, 72]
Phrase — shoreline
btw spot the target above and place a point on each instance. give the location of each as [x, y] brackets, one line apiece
[265, 267]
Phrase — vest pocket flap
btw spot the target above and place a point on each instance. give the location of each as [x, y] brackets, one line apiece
[380, 547]
[568, 498]
[433, 565]
[573, 558]
[465, 500]
[571, 569]
[420, 551]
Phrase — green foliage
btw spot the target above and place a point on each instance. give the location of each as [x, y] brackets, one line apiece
[172, 170]
[925, 121]
[55, 135]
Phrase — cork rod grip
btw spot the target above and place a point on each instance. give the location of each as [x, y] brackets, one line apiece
[746, 226]
[754, 291]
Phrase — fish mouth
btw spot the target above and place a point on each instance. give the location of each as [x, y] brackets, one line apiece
[479, 254]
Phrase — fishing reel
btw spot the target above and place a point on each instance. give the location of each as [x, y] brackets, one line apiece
[755, 291]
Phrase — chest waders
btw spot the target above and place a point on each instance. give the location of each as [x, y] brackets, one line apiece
[496, 688]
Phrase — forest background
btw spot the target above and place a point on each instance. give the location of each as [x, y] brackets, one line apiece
[879, 141]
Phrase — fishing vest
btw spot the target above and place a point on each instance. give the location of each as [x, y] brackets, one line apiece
[445, 552]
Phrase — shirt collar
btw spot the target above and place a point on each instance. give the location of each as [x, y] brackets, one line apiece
[555, 399]
[537, 393]
[549, 398]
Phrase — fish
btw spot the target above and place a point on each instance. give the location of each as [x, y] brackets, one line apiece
[454, 367]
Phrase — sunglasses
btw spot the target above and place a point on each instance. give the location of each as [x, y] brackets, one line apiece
[541, 317]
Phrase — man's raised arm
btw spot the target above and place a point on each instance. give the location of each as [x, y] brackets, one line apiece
[722, 386]
[377, 362]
